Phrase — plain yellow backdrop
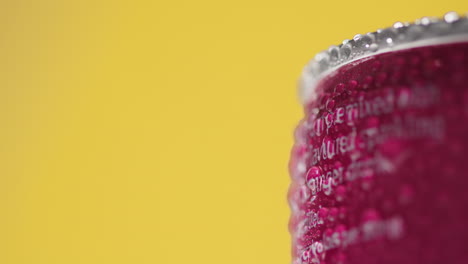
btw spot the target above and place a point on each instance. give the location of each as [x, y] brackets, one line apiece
[159, 131]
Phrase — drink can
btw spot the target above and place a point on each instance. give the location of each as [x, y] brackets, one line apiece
[380, 163]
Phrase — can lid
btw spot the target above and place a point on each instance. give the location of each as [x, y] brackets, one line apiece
[402, 35]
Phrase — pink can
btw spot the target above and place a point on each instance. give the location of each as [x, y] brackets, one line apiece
[380, 163]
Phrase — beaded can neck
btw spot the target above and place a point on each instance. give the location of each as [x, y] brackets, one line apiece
[423, 32]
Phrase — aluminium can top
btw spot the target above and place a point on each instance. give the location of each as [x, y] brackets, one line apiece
[423, 32]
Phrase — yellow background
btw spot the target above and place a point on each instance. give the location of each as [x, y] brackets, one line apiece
[159, 131]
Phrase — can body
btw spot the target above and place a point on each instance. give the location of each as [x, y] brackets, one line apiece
[380, 165]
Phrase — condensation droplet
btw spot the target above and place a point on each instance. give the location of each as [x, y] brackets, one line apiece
[312, 174]
[398, 25]
[323, 61]
[340, 193]
[395, 228]
[373, 47]
[425, 21]
[386, 37]
[363, 42]
[333, 214]
[313, 68]
[451, 17]
[330, 105]
[339, 88]
[334, 53]
[345, 51]
[322, 215]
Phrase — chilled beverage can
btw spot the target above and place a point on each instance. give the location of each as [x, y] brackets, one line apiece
[379, 168]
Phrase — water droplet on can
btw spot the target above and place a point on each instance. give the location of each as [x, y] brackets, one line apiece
[363, 42]
[425, 21]
[334, 53]
[386, 37]
[398, 25]
[313, 68]
[322, 59]
[345, 51]
[451, 17]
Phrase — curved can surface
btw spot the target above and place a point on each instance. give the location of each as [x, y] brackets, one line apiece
[380, 165]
